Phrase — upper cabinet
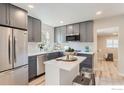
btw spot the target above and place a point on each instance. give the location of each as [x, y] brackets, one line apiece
[60, 34]
[13, 16]
[86, 31]
[70, 30]
[73, 29]
[4, 16]
[34, 29]
[18, 17]
[76, 29]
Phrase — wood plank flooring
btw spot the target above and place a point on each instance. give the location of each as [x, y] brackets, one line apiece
[39, 81]
[106, 73]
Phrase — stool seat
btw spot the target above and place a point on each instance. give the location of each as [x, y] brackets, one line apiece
[81, 80]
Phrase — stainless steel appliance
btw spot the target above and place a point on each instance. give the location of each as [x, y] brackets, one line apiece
[73, 38]
[40, 64]
[13, 56]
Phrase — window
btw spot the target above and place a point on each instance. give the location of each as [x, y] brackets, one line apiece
[112, 43]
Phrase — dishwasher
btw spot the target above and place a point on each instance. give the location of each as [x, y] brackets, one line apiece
[40, 64]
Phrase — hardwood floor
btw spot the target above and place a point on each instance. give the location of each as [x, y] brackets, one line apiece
[39, 81]
[106, 73]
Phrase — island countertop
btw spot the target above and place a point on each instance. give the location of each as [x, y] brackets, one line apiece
[68, 66]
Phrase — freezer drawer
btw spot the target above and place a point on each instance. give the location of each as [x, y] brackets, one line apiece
[17, 76]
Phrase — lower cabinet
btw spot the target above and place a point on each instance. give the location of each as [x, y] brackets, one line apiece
[54, 55]
[88, 62]
[35, 63]
[32, 71]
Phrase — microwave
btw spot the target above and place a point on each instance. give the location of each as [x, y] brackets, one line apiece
[73, 38]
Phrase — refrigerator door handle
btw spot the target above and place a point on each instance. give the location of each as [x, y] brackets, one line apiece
[14, 50]
[9, 49]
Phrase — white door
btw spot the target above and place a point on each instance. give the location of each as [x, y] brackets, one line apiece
[5, 48]
[20, 47]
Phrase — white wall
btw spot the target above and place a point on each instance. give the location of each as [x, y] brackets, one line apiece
[117, 21]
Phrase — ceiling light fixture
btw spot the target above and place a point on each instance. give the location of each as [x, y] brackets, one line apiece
[99, 13]
[61, 22]
[30, 6]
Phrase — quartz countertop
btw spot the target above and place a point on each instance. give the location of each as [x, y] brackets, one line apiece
[38, 52]
[86, 52]
[68, 66]
[35, 53]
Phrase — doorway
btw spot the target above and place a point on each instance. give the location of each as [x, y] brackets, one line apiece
[107, 57]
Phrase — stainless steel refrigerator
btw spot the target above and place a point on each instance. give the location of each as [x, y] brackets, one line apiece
[13, 56]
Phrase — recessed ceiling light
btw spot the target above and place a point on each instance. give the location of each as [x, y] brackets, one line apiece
[99, 13]
[61, 22]
[30, 6]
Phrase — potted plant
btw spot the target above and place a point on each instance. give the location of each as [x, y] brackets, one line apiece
[69, 52]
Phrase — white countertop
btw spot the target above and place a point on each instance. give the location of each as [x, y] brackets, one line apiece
[34, 53]
[86, 52]
[68, 66]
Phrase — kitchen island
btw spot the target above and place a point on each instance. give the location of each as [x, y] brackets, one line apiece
[61, 72]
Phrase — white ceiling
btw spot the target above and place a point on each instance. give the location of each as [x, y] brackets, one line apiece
[53, 13]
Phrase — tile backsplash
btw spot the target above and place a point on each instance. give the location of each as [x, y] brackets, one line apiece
[79, 45]
[33, 46]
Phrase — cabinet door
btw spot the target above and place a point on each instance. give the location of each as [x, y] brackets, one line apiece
[18, 17]
[32, 62]
[30, 34]
[63, 34]
[36, 28]
[70, 30]
[89, 31]
[76, 29]
[3, 14]
[83, 32]
[57, 35]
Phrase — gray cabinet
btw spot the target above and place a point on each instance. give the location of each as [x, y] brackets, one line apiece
[88, 62]
[70, 30]
[4, 18]
[32, 69]
[18, 17]
[60, 34]
[54, 55]
[83, 32]
[13, 16]
[34, 29]
[86, 31]
[63, 34]
[89, 31]
[57, 35]
[76, 29]
[73, 29]
[30, 34]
